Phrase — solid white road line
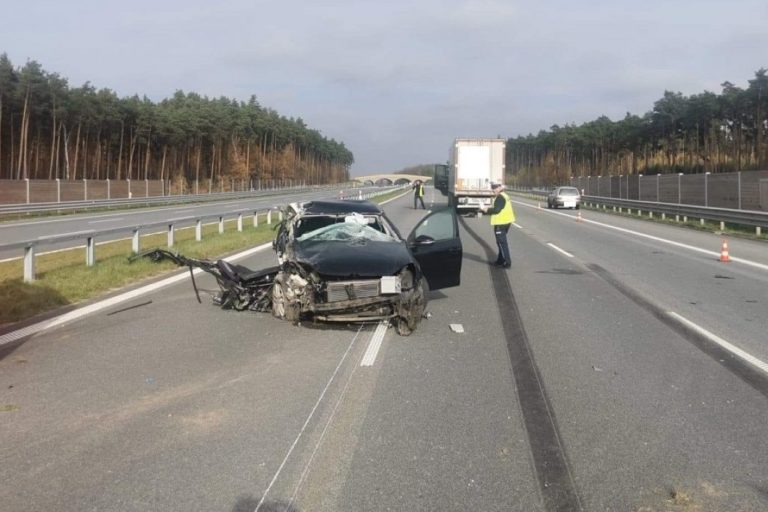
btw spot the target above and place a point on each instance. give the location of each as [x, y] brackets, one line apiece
[720, 341]
[98, 306]
[375, 344]
[319, 442]
[657, 239]
[105, 220]
[309, 418]
[559, 249]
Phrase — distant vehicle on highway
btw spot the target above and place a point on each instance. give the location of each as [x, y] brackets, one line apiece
[565, 197]
[473, 165]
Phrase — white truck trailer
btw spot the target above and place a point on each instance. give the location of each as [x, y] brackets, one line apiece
[473, 164]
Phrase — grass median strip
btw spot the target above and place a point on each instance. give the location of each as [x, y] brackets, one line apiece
[64, 279]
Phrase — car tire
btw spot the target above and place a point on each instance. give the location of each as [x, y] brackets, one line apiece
[417, 304]
[281, 307]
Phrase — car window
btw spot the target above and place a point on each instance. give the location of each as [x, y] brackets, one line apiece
[440, 225]
[569, 191]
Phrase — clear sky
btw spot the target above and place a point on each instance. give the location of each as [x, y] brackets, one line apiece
[398, 80]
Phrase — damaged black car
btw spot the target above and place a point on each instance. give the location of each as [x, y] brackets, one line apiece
[344, 261]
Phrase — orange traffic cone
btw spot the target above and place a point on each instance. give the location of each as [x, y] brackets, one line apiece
[578, 216]
[724, 256]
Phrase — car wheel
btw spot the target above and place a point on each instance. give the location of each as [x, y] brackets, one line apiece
[281, 306]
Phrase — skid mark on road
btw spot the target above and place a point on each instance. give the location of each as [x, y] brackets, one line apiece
[550, 461]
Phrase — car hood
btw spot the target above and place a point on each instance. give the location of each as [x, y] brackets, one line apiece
[358, 258]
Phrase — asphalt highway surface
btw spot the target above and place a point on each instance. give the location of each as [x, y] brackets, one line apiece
[616, 366]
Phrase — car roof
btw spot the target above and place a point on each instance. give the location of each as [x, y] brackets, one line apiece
[335, 206]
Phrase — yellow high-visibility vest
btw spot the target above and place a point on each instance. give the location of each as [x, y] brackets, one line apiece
[506, 215]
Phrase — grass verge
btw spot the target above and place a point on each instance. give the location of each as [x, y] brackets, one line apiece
[62, 278]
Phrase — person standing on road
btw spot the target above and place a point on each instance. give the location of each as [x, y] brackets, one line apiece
[502, 216]
[418, 194]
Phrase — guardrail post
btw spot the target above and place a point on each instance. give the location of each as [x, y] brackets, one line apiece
[170, 235]
[280, 215]
[758, 230]
[109, 189]
[198, 230]
[221, 224]
[58, 190]
[90, 251]
[197, 187]
[146, 187]
[135, 241]
[739, 182]
[85, 189]
[240, 222]
[722, 226]
[269, 217]
[29, 263]
[27, 182]
[706, 192]
[130, 194]
[255, 219]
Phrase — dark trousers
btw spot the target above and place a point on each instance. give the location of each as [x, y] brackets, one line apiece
[500, 232]
[421, 199]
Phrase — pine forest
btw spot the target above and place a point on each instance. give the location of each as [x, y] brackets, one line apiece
[50, 130]
[705, 132]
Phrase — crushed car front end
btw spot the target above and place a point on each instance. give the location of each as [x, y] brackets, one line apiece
[346, 263]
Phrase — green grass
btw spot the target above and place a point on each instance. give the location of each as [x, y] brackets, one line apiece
[63, 279]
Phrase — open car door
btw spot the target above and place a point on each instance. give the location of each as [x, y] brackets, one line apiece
[436, 245]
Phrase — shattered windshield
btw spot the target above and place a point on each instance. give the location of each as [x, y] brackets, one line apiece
[346, 231]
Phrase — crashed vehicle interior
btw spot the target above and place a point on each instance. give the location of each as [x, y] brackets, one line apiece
[343, 261]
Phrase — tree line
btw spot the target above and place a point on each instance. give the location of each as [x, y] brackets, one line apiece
[704, 132]
[50, 130]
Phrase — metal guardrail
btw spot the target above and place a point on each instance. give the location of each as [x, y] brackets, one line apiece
[29, 246]
[753, 218]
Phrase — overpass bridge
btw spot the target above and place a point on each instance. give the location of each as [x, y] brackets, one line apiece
[390, 179]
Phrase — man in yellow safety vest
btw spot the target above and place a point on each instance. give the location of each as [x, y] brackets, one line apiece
[502, 217]
[418, 194]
